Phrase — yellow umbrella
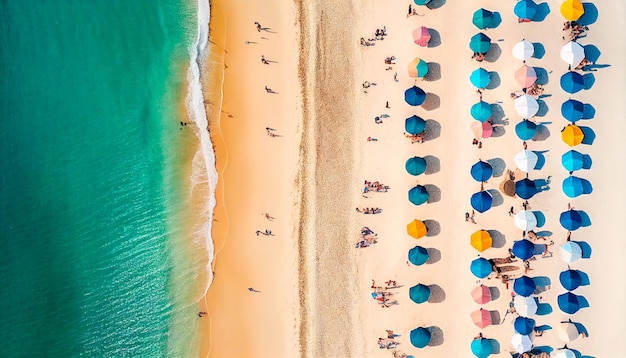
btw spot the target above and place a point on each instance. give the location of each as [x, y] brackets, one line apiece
[481, 240]
[572, 9]
[572, 135]
[416, 229]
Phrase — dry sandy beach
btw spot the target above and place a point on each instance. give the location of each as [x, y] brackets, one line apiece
[307, 173]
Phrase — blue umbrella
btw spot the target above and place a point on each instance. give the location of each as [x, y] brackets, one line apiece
[571, 220]
[481, 111]
[481, 267]
[524, 325]
[421, 2]
[523, 249]
[418, 255]
[481, 201]
[571, 303]
[481, 171]
[524, 285]
[525, 129]
[418, 195]
[482, 18]
[570, 279]
[414, 96]
[575, 186]
[420, 337]
[572, 82]
[574, 160]
[480, 78]
[419, 293]
[480, 43]
[414, 124]
[481, 347]
[525, 188]
[572, 110]
[525, 9]
[415, 165]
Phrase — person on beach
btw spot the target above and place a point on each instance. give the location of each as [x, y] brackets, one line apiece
[258, 26]
[264, 61]
[480, 145]
[269, 90]
[202, 314]
[512, 211]
[371, 139]
[268, 216]
[377, 120]
[253, 290]
[467, 217]
[395, 77]
[258, 232]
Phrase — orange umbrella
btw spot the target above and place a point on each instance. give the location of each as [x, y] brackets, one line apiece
[481, 294]
[572, 10]
[481, 240]
[421, 36]
[525, 76]
[481, 318]
[572, 135]
[416, 229]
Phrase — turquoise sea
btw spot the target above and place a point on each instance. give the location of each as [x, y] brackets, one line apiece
[94, 179]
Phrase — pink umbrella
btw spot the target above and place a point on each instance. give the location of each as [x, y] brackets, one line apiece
[421, 36]
[481, 294]
[525, 76]
[481, 318]
[481, 130]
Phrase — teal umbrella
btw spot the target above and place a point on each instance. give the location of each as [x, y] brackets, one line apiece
[419, 293]
[415, 165]
[525, 129]
[480, 78]
[420, 337]
[575, 186]
[414, 125]
[481, 267]
[480, 43]
[574, 160]
[525, 9]
[481, 347]
[421, 2]
[481, 111]
[418, 255]
[482, 18]
[422, 68]
[418, 195]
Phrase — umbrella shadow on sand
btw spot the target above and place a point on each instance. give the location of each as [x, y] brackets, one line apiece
[434, 255]
[431, 102]
[435, 38]
[434, 193]
[434, 72]
[494, 53]
[433, 228]
[590, 15]
[433, 130]
[542, 133]
[433, 165]
[543, 10]
[495, 317]
[495, 292]
[498, 166]
[495, 346]
[538, 50]
[543, 108]
[437, 294]
[435, 4]
[436, 336]
[494, 81]
[497, 197]
[498, 240]
[542, 76]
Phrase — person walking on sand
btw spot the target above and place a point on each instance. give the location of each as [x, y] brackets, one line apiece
[264, 61]
[268, 216]
[253, 290]
[258, 26]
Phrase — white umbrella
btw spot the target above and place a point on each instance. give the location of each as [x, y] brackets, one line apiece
[567, 331]
[526, 160]
[571, 251]
[565, 353]
[525, 220]
[526, 106]
[521, 343]
[572, 53]
[523, 50]
[525, 306]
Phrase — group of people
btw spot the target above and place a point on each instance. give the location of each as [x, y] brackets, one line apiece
[375, 186]
[382, 296]
[379, 34]
[480, 57]
[369, 210]
[415, 138]
[575, 29]
[368, 237]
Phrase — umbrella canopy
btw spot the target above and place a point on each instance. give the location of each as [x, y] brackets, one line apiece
[521, 343]
[523, 249]
[525, 9]
[481, 240]
[419, 293]
[524, 286]
[421, 2]
[418, 195]
[481, 111]
[572, 135]
[525, 129]
[572, 53]
[525, 188]
[575, 186]
[481, 347]
[418, 255]
[567, 331]
[571, 303]
[571, 220]
[525, 306]
[523, 50]
[572, 10]
[480, 43]
[414, 124]
[482, 18]
[481, 171]
[481, 318]
[480, 267]
[570, 279]
[415, 165]
[481, 201]
[526, 106]
[481, 294]
[414, 96]
[420, 337]
[525, 220]
[417, 68]
[565, 353]
[421, 36]
[572, 110]
[571, 251]
[574, 160]
[416, 229]
[523, 325]
[525, 76]
[481, 130]
[526, 160]
[480, 78]
[572, 82]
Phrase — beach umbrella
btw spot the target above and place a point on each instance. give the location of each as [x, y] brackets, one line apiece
[571, 220]
[482, 18]
[414, 124]
[417, 68]
[572, 110]
[525, 129]
[572, 10]
[521, 343]
[508, 187]
[525, 188]
[481, 240]
[481, 130]
[525, 306]
[416, 229]
[523, 249]
[481, 201]
[419, 293]
[523, 325]
[525, 76]
[572, 82]
[574, 160]
[481, 267]
[526, 160]
[421, 2]
[415, 165]
[481, 318]
[418, 255]
[570, 279]
[414, 96]
[523, 50]
[565, 353]
[481, 294]
[524, 285]
[481, 347]
[480, 43]
[575, 186]
[420, 337]
[572, 135]
[480, 78]
[421, 36]
[525, 220]
[418, 195]
[481, 171]
[572, 53]
[481, 111]
[571, 303]
[571, 251]
[525, 9]
[567, 331]
[526, 106]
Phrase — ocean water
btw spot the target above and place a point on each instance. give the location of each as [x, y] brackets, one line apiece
[96, 258]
